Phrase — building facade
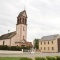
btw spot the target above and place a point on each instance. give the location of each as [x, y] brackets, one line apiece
[50, 43]
[18, 37]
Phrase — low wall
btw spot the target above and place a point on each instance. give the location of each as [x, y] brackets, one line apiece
[10, 52]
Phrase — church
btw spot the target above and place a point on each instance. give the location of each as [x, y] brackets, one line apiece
[18, 37]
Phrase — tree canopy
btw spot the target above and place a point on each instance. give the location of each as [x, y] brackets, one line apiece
[36, 43]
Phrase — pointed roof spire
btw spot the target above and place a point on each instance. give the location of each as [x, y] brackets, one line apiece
[23, 13]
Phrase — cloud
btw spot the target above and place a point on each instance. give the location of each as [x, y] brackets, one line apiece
[43, 16]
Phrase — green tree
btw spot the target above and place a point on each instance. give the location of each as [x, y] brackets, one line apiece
[36, 43]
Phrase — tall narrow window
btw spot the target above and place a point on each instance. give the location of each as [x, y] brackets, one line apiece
[23, 28]
[18, 21]
[48, 42]
[3, 42]
[44, 48]
[23, 21]
[52, 42]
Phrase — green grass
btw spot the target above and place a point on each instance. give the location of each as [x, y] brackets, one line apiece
[15, 58]
[9, 58]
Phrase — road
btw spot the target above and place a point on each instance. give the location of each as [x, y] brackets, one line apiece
[30, 55]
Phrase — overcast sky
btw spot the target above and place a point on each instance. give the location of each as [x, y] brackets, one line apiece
[43, 17]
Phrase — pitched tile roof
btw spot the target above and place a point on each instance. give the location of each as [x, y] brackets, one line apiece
[50, 37]
[8, 35]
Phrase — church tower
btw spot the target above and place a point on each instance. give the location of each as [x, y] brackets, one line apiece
[21, 27]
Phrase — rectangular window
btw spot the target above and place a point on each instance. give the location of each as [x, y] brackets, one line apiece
[23, 29]
[52, 48]
[44, 48]
[48, 42]
[41, 43]
[52, 42]
[3, 42]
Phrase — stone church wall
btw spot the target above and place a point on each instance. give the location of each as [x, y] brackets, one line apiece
[5, 42]
[13, 40]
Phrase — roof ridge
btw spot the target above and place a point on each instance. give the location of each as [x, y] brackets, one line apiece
[8, 35]
[51, 35]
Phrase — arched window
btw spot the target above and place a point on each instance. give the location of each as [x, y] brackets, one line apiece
[20, 21]
[23, 20]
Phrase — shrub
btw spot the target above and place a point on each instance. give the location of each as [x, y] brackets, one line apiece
[8, 48]
[14, 48]
[3, 47]
[58, 57]
[18, 48]
[50, 58]
[25, 58]
[40, 58]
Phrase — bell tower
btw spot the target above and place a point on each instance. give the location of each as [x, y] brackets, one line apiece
[21, 27]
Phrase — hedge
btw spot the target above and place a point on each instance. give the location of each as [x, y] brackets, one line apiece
[36, 58]
[50, 58]
[3, 47]
[40, 58]
[14, 48]
[25, 58]
[58, 57]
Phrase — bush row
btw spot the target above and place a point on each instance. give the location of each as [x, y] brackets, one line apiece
[25, 58]
[48, 58]
[41, 58]
[14, 48]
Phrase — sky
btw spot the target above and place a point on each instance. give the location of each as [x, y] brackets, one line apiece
[43, 17]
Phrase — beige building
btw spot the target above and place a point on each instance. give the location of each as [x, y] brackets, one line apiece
[18, 37]
[50, 43]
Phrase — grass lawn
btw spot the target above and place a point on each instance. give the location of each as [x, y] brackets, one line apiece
[9, 58]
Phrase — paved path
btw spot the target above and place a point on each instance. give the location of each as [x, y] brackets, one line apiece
[31, 55]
